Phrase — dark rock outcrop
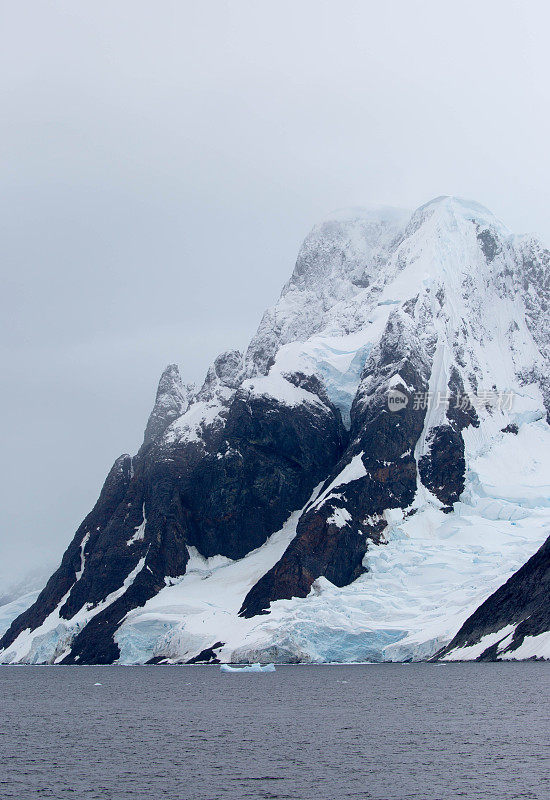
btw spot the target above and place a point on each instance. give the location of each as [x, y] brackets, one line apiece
[377, 472]
[207, 656]
[265, 464]
[442, 469]
[523, 601]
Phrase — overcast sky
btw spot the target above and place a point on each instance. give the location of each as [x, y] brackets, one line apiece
[161, 163]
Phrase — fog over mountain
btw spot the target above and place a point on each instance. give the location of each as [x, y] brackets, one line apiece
[161, 165]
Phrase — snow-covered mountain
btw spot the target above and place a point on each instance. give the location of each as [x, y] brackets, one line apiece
[351, 488]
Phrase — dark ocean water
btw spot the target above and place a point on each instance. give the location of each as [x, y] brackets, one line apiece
[191, 733]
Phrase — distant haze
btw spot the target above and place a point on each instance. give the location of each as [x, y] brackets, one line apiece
[161, 163]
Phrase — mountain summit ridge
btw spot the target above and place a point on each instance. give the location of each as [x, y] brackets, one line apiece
[285, 511]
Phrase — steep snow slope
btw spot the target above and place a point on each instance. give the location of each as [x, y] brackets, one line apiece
[419, 514]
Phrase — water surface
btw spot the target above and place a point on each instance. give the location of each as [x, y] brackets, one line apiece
[388, 732]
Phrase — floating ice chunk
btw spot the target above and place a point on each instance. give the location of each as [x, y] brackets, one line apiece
[248, 668]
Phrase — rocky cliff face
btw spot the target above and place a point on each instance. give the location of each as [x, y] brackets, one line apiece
[376, 472]
[316, 498]
[223, 491]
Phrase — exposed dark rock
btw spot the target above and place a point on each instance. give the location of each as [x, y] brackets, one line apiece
[266, 466]
[95, 644]
[207, 656]
[511, 428]
[460, 412]
[321, 547]
[489, 244]
[410, 305]
[310, 383]
[443, 467]
[384, 442]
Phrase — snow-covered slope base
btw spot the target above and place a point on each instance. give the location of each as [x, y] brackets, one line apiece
[532, 647]
[403, 378]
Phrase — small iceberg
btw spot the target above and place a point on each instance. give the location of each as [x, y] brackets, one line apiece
[248, 668]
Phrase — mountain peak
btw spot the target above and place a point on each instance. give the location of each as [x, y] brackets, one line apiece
[448, 210]
[172, 400]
